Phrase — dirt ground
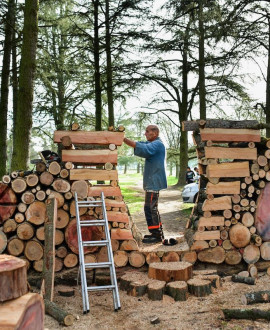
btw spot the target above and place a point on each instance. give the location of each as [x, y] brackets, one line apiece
[137, 312]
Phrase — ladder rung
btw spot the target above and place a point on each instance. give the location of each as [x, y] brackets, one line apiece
[95, 243]
[100, 288]
[86, 223]
[85, 204]
[98, 264]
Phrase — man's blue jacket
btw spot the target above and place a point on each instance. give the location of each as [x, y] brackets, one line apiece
[154, 176]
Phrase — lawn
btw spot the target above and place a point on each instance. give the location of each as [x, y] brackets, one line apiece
[134, 197]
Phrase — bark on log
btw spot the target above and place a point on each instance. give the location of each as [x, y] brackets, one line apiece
[199, 287]
[156, 289]
[26, 312]
[49, 248]
[3, 241]
[13, 278]
[246, 314]
[256, 297]
[178, 290]
[58, 314]
[137, 288]
[242, 279]
[170, 271]
[220, 123]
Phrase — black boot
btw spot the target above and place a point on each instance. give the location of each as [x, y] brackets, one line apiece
[152, 239]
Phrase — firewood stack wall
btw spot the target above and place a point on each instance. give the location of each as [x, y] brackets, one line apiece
[87, 158]
[230, 219]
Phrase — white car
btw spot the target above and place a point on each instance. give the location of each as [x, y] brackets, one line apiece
[190, 192]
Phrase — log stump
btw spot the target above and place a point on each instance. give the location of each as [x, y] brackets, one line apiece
[13, 278]
[156, 289]
[178, 290]
[199, 287]
[170, 271]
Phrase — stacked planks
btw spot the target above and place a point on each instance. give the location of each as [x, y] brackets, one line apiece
[88, 157]
[229, 216]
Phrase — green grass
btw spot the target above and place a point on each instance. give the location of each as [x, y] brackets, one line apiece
[128, 183]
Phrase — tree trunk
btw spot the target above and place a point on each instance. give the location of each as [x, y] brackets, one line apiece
[23, 124]
[202, 91]
[98, 103]
[109, 65]
[267, 105]
[5, 85]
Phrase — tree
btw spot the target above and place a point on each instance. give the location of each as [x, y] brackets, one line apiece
[9, 27]
[23, 122]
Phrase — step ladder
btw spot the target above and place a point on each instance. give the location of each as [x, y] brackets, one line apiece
[107, 242]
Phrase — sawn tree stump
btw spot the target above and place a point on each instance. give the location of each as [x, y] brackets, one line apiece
[170, 271]
[13, 278]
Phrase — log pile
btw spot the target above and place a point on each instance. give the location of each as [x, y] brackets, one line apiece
[88, 159]
[231, 217]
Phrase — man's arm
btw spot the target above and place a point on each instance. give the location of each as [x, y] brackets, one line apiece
[130, 142]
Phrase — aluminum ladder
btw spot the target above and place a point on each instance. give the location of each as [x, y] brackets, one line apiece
[107, 242]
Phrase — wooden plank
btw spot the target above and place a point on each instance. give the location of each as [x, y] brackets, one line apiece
[212, 221]
[228, 170]
[108, 191]
[117, 216]
[219, 203]
[206, 235]
[114, 203]
[86, 137]
[92, 174]
[230, 135]
[90, 156]
[231, 153]
[223, 188]
[121, 234]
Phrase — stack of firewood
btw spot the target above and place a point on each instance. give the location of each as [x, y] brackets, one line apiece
[88, 158]
[231, 214]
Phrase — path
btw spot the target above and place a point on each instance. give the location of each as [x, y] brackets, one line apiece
[170, 209]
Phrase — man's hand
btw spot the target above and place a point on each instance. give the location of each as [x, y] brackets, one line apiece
[130, 142]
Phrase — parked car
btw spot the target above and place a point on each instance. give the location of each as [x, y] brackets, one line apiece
[190, 192]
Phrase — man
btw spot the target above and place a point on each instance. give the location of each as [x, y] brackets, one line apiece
[154, 179]
[189, 175]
